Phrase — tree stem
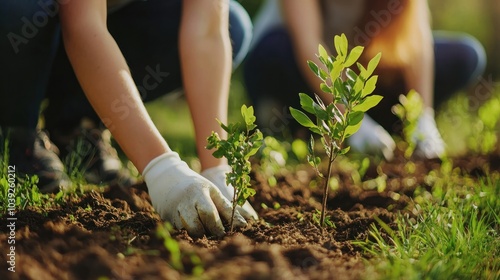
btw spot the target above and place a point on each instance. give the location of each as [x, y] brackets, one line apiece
[234, 209]
[326, 188]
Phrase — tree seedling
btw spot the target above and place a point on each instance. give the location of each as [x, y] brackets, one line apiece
[243, 141]
[351, 96]
[408, 111]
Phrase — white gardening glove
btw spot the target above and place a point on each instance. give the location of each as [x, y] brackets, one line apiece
[186, 199]
[372, 138]
[429, 143]
[217, 175]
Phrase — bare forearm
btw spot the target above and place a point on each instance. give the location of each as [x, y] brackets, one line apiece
[107, 83]
[420, 72]
[205, 53]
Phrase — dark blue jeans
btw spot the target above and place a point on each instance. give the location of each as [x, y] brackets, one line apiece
[273, 78]
[146, 32]
[29, 36]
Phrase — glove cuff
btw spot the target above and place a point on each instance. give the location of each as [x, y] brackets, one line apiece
[161, 164]
[214, 171]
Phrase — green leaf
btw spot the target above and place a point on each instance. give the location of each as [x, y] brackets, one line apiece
[316, 130]
[337, 69]
[350, 130]
[319, 112]
[369, 86]
[248, 115]
[353, 56]
[336, 43]
[322, 52]
[320, 102]
[244, 194]
[355, 117]
[223, 126]
[367, 103]
[339, 117]
[310, 145]
[325, 126]
[362, 70]
[344, 46]
[398, 110]
[372, 65]
[306, 102]
[322, 75]
[301, 118]
[345, 150]
[341, 45]
[218, 153]
[355, 120]
[325, 88]
[339, 89]
[358, 86]
[351, 75]
[313, 67]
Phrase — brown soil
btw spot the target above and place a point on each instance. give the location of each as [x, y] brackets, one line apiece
[112, 233]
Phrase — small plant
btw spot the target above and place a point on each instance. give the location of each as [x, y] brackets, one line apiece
[273, 158]
[176, 255]
[77, 161]
[172, 246]
[408, 111]
[244, 140]
[317, 216]
[485, 129]
[351, 98]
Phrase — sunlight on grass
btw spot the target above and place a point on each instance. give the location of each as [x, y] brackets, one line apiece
[451, 238]
[469, 125]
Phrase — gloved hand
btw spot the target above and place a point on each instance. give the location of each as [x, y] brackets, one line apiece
[372, 138]
[217, 175]
[186, 199]
[429, 143]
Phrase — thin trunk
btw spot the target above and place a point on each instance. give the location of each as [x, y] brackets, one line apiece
[326, 188]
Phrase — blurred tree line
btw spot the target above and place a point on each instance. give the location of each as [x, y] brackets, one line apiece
[479, 18]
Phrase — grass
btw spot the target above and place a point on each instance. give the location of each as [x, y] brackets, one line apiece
[451, 237]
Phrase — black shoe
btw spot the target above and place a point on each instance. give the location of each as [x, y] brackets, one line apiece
[91, 148]
[32, 153]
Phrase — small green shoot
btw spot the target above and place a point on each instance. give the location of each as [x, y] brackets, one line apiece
[172, 246]
[317, 219]
[244, 140]
[273, 159]
[349, 90]
[176, 257]
[485, 129]
[408, 111]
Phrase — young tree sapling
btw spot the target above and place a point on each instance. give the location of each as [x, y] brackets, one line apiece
[351, 96]
[243, 141]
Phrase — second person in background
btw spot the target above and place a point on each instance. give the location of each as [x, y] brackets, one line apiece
[436, 65]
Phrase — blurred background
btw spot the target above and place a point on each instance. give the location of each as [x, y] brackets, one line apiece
[480, 18]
